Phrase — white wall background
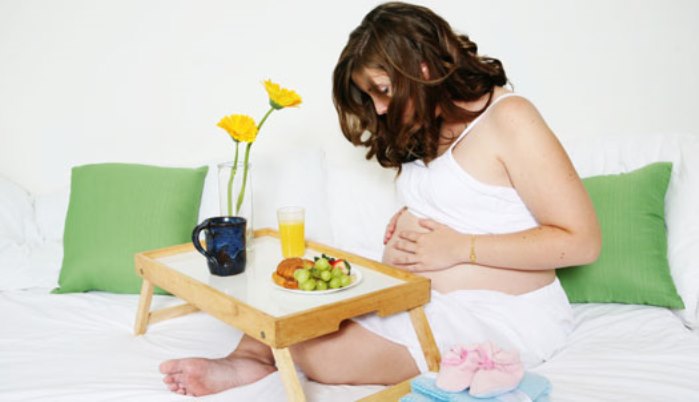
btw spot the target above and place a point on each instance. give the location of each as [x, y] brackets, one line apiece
[146, 81]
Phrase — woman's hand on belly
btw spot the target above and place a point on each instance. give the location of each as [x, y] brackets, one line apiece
[446, 276]
[391, 227]
[424, 245]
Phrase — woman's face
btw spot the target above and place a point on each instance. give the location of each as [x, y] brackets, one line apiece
[377, 85]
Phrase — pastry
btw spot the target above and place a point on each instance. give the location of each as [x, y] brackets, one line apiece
[284, 275]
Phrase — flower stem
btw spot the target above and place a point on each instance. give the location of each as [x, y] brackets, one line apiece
[245, 167]
[264, 118]
[234, 169]
[245, 178]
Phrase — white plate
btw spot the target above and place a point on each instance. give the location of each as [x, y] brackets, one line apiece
[355, 274]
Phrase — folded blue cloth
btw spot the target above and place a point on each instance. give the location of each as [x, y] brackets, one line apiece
[533, 387]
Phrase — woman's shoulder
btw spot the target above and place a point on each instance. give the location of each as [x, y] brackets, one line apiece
[509, 104]
[512, 113]
[516, 127]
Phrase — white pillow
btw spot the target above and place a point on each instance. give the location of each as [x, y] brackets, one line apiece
[361, 200]
[44, 264]
[16, 213]
[50, 211]
[14, 259]
[25, 266]
[18, 236]
[621, 153]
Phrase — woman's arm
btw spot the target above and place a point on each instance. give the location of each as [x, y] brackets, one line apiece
[539, 169]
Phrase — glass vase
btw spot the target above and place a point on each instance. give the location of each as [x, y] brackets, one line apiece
[235, 190]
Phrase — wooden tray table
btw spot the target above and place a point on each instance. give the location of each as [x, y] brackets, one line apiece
[251, 302]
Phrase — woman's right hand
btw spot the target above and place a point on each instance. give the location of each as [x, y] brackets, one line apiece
[391, 227]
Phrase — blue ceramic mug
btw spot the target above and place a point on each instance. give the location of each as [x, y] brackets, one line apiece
[225, 244]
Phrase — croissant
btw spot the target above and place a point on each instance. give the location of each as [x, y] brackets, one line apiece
[284, 275]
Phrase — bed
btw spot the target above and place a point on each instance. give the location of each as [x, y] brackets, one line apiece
[81, 347]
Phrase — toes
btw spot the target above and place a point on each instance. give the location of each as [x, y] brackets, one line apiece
[169, 366]
[182, 380]
[172, 384]
[174, 377]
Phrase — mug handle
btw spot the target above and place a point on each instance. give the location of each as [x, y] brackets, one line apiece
[197, 243]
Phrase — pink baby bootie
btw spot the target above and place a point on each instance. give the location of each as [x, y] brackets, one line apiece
[457, 369]
[498, 371]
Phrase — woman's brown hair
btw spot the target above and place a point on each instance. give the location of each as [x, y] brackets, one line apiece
[400, 39]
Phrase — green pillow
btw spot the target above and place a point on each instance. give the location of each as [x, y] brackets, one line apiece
[117, 210]
[632, 267]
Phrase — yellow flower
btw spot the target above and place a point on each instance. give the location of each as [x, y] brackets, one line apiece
[279, 97]
[242, 128]
[239, 126]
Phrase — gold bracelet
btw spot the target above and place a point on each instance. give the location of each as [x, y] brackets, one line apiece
[472, 256]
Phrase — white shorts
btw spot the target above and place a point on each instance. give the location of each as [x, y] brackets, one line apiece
[536, 324]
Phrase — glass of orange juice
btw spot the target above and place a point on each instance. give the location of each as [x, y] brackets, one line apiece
[292, 231]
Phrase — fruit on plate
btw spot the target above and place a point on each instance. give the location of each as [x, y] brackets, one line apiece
[322, 263]
[326, 273]
[322, 273]
[286, 271]
[341, 265]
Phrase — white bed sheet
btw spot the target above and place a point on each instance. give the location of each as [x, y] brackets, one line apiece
[623, 352]
[81, 347]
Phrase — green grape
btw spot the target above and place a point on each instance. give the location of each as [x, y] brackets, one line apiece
[326, 275]
[315, 272]
[335, 283]
[337, 272]
[322, 264]
[302, 275]
[320, 285]
[308, 285]
[345, 280]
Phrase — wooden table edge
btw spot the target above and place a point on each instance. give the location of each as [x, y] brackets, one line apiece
[275, 331]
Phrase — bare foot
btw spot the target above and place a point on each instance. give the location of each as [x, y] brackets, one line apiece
[198, 376]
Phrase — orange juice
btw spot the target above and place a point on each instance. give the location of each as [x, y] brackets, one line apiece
[292, 235]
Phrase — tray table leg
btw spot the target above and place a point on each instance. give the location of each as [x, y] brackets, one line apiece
[424, 334]
[287, 370]
[143, 312]
[171, 312]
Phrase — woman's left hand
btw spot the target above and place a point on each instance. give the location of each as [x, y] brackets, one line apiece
[439, 248]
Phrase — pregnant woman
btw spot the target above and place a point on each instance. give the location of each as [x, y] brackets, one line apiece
[493, 206]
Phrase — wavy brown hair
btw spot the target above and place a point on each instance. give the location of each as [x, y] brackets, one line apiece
[399, 39]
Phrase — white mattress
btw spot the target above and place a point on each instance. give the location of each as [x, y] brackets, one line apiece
[626, 353]
[81, 347]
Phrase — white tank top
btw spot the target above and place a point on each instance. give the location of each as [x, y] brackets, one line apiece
[445, 192]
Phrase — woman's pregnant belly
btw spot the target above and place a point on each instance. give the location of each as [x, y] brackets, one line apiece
[468, 276]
